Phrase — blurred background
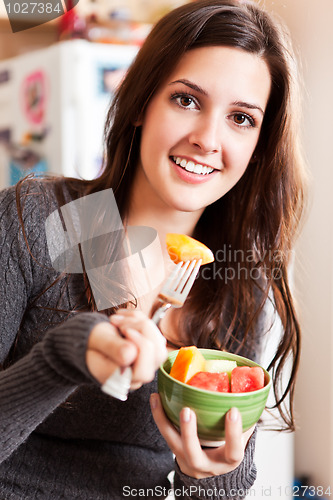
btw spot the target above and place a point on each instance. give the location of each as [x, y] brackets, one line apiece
[56, 81]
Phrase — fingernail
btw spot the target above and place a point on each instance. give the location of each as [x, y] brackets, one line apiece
[233, 414]
[153, 401]
[186, 415]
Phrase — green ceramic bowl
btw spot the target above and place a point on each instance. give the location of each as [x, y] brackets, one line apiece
[210, 407]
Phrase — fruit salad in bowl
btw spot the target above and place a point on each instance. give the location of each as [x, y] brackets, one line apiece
[210, 382]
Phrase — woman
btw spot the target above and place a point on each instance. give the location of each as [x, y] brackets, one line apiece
[200, 139]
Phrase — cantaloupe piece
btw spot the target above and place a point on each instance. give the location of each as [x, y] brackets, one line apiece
[182, 248]
[188, 362]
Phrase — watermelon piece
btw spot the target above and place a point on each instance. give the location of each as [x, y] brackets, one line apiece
[218, 382]
[220, 366]
[247, 379]
[182, 248]
[188, 362]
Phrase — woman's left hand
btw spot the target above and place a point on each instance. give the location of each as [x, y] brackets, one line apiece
[193, 460]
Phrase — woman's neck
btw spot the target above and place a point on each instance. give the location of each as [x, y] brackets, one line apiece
[163, 221]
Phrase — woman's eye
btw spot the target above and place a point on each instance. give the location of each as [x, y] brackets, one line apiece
[243, 120]
[185, 101]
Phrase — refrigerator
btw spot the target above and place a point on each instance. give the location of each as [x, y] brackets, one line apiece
[53, 105]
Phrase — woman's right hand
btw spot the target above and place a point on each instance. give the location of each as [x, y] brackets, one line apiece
[140, 345]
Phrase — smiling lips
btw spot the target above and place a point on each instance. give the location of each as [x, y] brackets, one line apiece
[192, 167]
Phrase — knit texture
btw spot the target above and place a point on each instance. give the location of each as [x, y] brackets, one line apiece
[60, 436]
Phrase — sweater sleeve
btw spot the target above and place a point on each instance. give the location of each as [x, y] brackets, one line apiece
[233, 485]
[33, 386]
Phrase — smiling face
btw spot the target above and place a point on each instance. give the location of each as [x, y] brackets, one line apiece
[201, 127]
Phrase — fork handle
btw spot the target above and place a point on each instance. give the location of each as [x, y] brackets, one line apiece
[160, 312]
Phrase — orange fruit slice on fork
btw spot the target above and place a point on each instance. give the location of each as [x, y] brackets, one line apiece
[182, 248]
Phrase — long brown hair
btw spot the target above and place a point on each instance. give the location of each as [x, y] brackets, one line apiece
[263, 209]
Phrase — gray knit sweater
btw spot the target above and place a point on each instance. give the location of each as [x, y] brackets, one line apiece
[60, 436]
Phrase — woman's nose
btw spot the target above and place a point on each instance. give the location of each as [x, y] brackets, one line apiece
[207, 135]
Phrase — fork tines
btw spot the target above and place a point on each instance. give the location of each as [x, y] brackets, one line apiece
[180, 281]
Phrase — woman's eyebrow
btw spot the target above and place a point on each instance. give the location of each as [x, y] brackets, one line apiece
[243, 104]
[192, 85]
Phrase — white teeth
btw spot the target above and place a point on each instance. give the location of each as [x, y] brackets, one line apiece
[190, 166]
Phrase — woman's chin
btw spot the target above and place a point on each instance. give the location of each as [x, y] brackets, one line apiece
[188, 207]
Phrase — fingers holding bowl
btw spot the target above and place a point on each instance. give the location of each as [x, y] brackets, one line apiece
[193, 459]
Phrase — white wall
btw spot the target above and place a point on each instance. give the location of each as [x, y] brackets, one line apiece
[312, 29]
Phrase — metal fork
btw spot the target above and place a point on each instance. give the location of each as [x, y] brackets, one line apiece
[177, 287]
[173, 294]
